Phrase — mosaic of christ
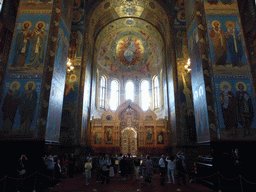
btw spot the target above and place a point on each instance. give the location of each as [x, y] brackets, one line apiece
[129, 50]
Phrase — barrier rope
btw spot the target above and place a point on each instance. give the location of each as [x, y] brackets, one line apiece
[227, 178]
[141, 177]
[248, 181]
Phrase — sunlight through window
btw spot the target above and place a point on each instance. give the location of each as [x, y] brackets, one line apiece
[156, 92]
[114, 95]
[145, 95]
[102, 91]
[129, 91]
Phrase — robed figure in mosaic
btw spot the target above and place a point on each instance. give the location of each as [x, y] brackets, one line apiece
[10, 105]
[219, 43]
[245, 110]
[234, 41]
[228, 105]
[27, 107]
[38, 37]
[22, 45]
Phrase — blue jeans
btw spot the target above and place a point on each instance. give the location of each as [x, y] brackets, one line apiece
[87, 176]
[172, 174]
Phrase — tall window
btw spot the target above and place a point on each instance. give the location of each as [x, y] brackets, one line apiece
[102, 91]
[144, 94]
[114, 95]
[129, 91]
[156, 92]
[1, 4]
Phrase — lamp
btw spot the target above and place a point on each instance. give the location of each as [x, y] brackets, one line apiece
[70, 67]
[187, 66]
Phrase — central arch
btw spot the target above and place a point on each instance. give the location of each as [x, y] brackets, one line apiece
[129, 141]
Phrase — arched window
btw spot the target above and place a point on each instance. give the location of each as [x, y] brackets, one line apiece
[102, 91]
[144, 95]
[156, 92]
[129, 91]
[114, 95]
[1, 4]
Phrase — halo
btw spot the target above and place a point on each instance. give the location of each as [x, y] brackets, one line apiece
[230, 22]
[30, 24]
[40, 22]
[15, 82]
[34, 85]
[214, 21]
[179, 15]
[241, 82]
[225, 83]
[73, 76]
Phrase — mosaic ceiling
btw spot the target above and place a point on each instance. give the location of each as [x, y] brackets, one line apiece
[129, 45]
[110, 10]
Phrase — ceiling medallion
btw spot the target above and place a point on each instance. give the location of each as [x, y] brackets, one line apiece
[129, 50]
[129, 22]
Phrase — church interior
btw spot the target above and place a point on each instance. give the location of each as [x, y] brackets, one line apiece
[129, 76]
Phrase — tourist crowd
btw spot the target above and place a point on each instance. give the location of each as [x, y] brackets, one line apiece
[54, 168]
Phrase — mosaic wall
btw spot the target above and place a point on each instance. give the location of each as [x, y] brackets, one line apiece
[20, 104]
[235, 103]
[24, 70]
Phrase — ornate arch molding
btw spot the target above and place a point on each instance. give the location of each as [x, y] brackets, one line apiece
[129, 104]
[108, 115]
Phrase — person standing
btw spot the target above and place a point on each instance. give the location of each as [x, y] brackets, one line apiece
[123, 167]
[65, 165]
[181, 168]
[137, 167]
[50, 166]
[99, 168]
[162, 170]
[71, 166]
[170, 168]
[148, 166]
[87, 169]
[105, 169]
[58, 171]
[90, 159]
[119, 159]
[130, 165]
[111, 169]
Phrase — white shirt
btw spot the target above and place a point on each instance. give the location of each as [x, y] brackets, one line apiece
[161, 162]
[171, 164]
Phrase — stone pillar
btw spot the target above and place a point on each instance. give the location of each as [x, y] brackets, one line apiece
[172, 85]
[35, 79]
[73, 78]
[84, 100]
